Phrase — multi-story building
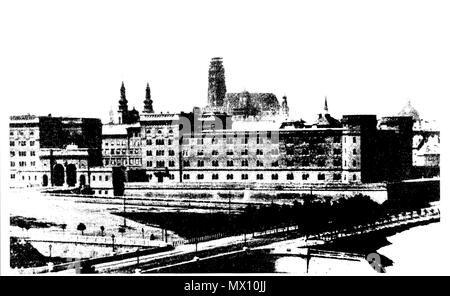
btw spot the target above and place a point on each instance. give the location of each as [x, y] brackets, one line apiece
[53, 151]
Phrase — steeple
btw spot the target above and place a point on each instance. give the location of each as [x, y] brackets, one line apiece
[326, 106]
[148, 103]
[123, 105]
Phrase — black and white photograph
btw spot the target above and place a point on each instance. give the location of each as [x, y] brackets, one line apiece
[280, 138]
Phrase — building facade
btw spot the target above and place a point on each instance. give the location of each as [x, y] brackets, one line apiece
[53, 151]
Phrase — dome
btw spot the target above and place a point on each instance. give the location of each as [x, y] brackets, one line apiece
[409, 110]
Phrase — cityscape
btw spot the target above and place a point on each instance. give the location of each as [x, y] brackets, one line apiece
[239, 185]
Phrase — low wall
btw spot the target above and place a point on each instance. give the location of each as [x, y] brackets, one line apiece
[377, 191]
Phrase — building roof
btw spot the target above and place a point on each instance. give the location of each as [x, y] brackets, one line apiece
[116, 129]
[262, 101]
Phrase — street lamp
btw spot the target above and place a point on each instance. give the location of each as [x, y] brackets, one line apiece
[112, 237]
[124, 211]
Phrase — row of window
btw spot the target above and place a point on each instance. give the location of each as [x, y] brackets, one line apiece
[260, 163]
[100, 178]
[20, 143]
[13, 176]
[21, 133]
[230, 152]
[123, 161]
[229, 163]
[159, 132]
[122, 151]
[289, 177]
[22, 153]
[160, 163]
[115, 143]
[23, 163]
[226, 140]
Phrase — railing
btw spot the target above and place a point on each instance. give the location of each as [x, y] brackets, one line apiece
[89, 239]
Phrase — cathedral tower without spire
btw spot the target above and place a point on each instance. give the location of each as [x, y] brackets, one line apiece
[148, 103]
[216, 83]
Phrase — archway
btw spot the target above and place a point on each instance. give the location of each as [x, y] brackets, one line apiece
[45, 180]
[58, 175]
[71, 175]
[82, 180]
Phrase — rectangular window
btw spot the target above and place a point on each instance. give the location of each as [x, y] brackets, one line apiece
[321, 177]
[337, 177]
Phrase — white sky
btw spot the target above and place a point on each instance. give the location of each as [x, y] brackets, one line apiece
[69, 58]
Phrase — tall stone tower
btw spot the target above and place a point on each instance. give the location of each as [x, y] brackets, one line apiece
[148, 103]
[123, 105]
[216, 83]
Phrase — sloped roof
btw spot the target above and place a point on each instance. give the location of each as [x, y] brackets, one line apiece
[262, 101]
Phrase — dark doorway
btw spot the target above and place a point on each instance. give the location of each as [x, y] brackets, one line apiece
[58, 175]
[71, 175]
[118, 178]
[45, 180]
[82, 180]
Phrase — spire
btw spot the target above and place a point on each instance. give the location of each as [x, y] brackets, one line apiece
[326, 106]
[123, 106]
[122, 93]
[148, 103]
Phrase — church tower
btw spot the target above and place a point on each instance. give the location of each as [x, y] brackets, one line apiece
[285, 107]
[123, 106]
[148, 103]
[216, 83]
